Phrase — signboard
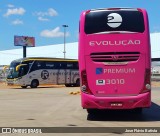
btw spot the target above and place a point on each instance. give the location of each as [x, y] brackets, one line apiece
[24, 41]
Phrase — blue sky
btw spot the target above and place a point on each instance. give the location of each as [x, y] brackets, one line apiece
[43, 19]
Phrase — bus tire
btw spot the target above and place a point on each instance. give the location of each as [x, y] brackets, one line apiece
[138, 110]
[78, 82]
[24, 86]
[92, 111]
[68, 85]
[34, 83]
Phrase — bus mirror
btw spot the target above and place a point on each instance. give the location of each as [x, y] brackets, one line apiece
[18, 66]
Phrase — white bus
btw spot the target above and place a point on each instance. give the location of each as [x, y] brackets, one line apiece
[35, 71]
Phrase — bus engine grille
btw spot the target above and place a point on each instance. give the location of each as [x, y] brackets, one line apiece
[115, 56]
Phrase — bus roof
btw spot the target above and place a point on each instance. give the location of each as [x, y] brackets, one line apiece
[44, 59]
[114, 9]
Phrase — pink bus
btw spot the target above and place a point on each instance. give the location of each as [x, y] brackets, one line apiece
[115, 59]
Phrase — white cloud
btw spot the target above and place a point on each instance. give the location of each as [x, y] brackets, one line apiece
[17, 22]
[10, 6]
[50, 12]
[43, 19]
[53, 33]
[15, 11]
[156, 29]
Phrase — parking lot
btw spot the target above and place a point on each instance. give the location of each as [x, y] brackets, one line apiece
[59, 106]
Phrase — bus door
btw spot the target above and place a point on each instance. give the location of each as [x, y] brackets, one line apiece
[63, 76]
[68, 76]
[59, 76]
[74, 76]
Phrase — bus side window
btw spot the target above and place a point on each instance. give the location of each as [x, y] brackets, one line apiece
[36, 65]
[40, 65]
[75, 65]
[28, 65]
[49, 65]
[56, 65]
[69, 65]
[63, 65]
[60, 65]
[23, 70]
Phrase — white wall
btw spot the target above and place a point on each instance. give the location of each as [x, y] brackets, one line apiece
[42, 51]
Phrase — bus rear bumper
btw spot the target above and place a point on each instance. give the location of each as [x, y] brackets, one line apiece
[125, 102]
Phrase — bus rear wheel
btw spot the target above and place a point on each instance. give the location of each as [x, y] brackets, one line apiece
[24, 86]
[34, 83]
[138, 110]
[77, 82]
[68, 85]
[92, 111]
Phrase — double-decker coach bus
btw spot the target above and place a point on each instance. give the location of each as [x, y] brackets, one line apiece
[115, 59]
[35, 71]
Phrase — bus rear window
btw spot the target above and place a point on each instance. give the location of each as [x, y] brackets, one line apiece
[114, 21]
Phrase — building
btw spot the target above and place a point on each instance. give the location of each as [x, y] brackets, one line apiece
[42, 51]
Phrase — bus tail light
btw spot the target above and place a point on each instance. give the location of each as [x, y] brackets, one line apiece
[88, 11]
[140, 10]
[84, 84]
[147, 81]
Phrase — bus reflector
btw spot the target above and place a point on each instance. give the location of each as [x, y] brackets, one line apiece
[88, 11]
[84, 85]
[140, 10]
[147, 81]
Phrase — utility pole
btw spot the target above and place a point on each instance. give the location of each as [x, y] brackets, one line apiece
[64, 26]
[24, 51]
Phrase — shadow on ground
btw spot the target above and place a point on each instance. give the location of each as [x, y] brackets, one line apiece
[148, 114]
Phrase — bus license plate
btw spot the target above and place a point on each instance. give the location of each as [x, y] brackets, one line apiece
[116, 104]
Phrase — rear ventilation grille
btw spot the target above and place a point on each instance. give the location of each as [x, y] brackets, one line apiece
[115, 56]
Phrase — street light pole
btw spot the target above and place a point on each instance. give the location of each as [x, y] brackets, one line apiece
[64, 40]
